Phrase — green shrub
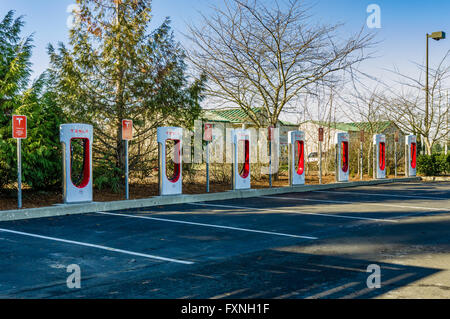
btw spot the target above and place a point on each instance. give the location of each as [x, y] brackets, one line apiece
[432, 165]
[425, 165]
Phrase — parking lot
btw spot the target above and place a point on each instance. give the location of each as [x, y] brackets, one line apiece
[300, 245]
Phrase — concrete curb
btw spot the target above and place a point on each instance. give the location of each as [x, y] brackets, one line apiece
[61, 210]
[436, 178]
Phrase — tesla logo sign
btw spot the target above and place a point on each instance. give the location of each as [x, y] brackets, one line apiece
[207, 136]
[270, 133]
[127, 129]
[320, 134]
[19, 126]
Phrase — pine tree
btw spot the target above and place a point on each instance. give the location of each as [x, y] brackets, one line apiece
[115, 68]
[15, 53]
[41, 156]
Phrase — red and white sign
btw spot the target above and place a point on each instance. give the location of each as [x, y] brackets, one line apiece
[127, 130]
[207, 136]
[320, 134]
[19, 124]
[270, 133]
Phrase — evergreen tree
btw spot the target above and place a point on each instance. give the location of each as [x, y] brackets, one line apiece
[115, 68]
[15, 53]
[41, 156]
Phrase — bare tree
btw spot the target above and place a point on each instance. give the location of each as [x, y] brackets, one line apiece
[365, 105]
[266, 56]
[406, 107]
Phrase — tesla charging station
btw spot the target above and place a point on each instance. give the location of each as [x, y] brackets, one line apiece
[410, 155]
[342, 160]
[379, 153]
[241, 155]
[79, 189]
[170, 185]
[296, 141]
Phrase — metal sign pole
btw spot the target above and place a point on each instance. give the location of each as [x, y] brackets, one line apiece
[320, 162]
[127, 193]
[127, 135]
[270, 164]
[361, 151]
[395, 158]
[320, 153]
[207, 167]
[19, 173]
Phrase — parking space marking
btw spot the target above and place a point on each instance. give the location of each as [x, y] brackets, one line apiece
[127, 252]
[365, 203]
[296, 212]
[386, 195]
[210, 225]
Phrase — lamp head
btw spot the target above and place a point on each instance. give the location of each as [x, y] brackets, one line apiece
[440, 35]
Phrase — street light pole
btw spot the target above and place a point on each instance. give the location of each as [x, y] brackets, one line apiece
[435, 36]
[426, 84]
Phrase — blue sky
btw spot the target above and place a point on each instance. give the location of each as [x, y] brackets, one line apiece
[404, 24]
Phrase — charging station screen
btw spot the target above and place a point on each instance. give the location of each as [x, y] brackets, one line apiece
[382, 156]
[79, 162]
[344, 160]
[413, 155]
[173, 162]
[300, 152]
[244, 165]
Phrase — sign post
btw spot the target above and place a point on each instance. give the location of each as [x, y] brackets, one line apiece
[207, 137]
[127, 135]
[19, 124]
[396, 136]
[270, 138]
[320, 153]
[361, 151]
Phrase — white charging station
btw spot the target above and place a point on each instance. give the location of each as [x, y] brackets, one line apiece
[342, 157]
[379, 153]
[241, 155]
[410, 155]
[296, 142]
[77, 191]
[170, 185]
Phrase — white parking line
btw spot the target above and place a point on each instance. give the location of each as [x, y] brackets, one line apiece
[386, 195]
[210, 225]
[347, 202]
[98, 247]
[295, 212]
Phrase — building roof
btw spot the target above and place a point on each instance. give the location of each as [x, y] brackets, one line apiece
[234, 115]
[357, 126]
[341, 126]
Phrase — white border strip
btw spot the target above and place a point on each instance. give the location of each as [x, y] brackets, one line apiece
[209, 225]
[362, 203]
[296, 212]
[98, 247]
[386, 195]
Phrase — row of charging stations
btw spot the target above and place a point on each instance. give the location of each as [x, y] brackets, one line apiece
[379, 151]
[78, 189]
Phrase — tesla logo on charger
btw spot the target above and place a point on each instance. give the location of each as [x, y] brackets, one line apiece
[19, 126]
[127, 129]
[207, 136]
[78, 131]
